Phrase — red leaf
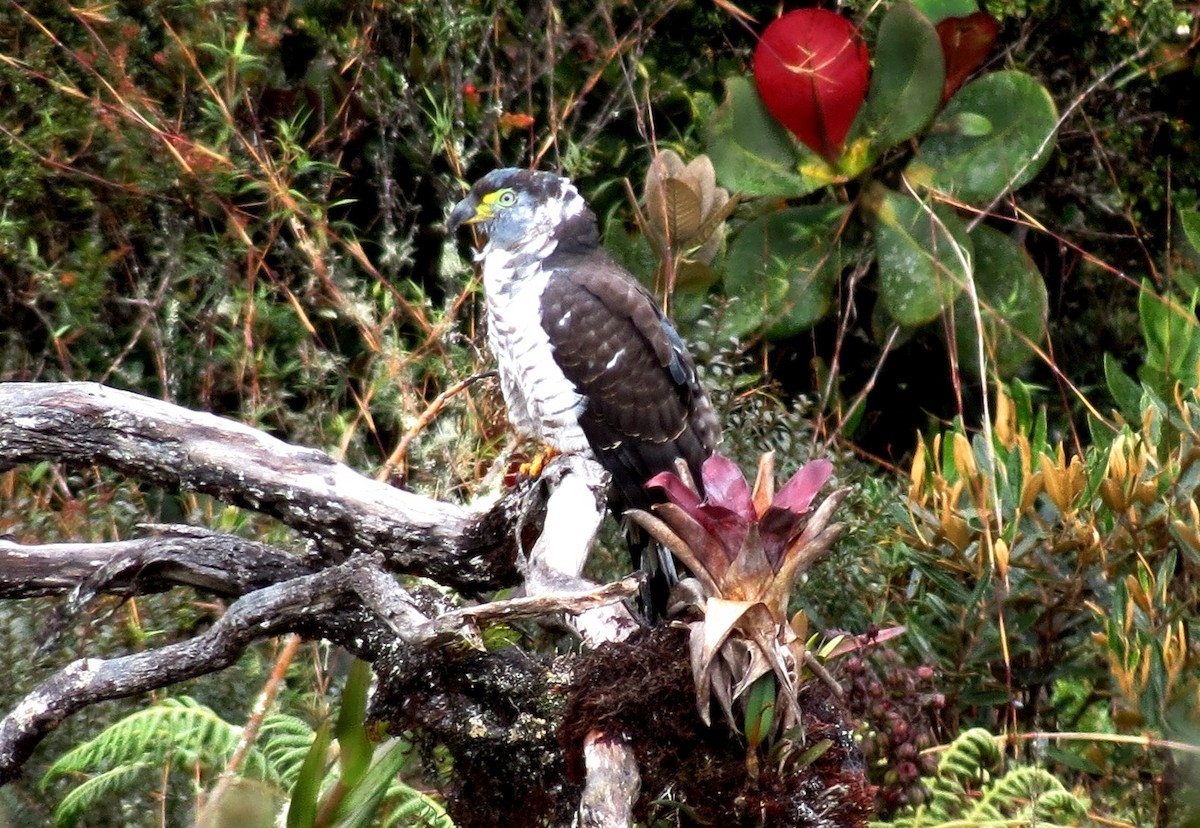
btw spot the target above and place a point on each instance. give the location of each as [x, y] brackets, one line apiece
[811, 68]
[966, 42]
[676, 491]
[725, 486]
[798, 493]
[515, 120]
[861, 642]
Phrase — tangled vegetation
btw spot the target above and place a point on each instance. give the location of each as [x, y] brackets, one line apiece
[237, 206]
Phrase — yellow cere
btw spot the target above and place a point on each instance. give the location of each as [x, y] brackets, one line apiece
[499, 198]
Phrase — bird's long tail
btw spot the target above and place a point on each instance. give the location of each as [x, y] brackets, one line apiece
[661, 573]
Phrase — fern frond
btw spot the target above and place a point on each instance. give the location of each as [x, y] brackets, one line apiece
[409, 808]
[1034, 794]
[174, 731]
[972, 790]
[284, 741]
[1058, 806]
[178, 732]
[971, 757]
[103, 787]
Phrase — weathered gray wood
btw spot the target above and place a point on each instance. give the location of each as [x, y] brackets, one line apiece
[86, 681]
[612, 785]
[221, 564]
[340, 510]
[339, 590]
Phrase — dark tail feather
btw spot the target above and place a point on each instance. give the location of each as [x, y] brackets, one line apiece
[661, 573]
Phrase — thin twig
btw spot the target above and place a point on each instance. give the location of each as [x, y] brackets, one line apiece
[266, 698]
[398, 456]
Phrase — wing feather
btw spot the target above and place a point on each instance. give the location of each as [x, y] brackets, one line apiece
[644, 406]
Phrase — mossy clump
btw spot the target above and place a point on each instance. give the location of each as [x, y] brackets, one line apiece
[643, 690]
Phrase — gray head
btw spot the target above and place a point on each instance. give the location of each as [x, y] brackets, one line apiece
[513, 206]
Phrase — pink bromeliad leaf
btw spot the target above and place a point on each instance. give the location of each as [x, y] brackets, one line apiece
[725, 485]
[812, 68]
[798, 493]
[676, 490]
[728, 527]
[785, 517]
[723, 512]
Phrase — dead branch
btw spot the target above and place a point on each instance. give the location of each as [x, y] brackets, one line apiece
[358, 532]
[221, 564]
[338, 509]
[87, 681]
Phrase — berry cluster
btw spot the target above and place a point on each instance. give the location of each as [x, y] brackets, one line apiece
[898, 708]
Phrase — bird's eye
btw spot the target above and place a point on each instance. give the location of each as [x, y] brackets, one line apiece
[507, 198]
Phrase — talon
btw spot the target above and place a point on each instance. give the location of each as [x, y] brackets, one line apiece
[534, 467]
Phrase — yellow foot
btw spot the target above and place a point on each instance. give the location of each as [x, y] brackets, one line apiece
[533, 468]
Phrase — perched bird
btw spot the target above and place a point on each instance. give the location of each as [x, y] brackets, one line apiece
[587, 359]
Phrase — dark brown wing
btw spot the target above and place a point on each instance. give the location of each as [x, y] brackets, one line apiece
[644, 406]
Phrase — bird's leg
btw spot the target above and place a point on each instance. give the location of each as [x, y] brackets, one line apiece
[533, 467]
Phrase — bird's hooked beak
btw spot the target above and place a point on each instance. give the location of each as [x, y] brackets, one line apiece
[467, 211]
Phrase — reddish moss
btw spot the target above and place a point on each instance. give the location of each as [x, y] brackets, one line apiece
[643, 690]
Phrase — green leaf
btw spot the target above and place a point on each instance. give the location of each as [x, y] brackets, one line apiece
[968, 124]
[939, 10]
[1172, 340]
[354, 748]
[923, 257]
[1022, 398]
[781, 267]
[1073, 760]
[106, 786]
[753, 154]
[906, 84]
[760, 710]
[979, 168]
[1125, 392]
[1013, 301]
[813, 753]
[1189, 223]
[358, 809]
[302, 810]
[1185, 281]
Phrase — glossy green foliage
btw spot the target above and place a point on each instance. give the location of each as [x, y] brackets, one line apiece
[782, 268]
[753, 154]
[1013, 305]
[995, 135]
[947, 145]
[906, 86]
[924, 257]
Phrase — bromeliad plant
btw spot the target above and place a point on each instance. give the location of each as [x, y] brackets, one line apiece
[746, 550]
